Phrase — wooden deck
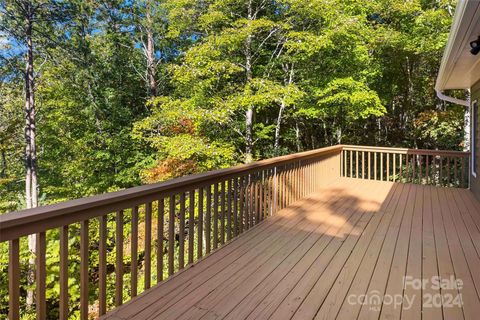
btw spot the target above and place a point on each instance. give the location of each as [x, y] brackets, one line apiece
[317, 258]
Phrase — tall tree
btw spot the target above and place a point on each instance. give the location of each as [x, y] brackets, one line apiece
[149, 29]
[236, 35]
[28, 23]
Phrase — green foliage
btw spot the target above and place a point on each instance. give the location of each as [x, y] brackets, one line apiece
[178, 130]
[349, 99]
[442, 130]
[11, 143]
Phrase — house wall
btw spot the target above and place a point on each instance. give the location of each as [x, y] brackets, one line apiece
[475, 181]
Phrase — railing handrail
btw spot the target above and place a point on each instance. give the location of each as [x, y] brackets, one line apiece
[21, 223]
[407, 150]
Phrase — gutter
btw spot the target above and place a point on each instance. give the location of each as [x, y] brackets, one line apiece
[464, 7]
[441, 96]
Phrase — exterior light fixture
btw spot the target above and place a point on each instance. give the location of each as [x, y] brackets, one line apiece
[475, 45]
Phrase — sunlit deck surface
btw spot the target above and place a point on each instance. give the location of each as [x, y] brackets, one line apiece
[315, 259]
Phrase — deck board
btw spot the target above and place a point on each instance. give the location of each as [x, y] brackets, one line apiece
[352, 237]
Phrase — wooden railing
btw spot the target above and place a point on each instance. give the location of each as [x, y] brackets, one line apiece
[132, 239]
[431, 167]
[148, 233]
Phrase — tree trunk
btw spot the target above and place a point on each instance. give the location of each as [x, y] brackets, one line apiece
[276, 146]
[325, 133]
[297, 137]
[338, 134]
[248, 77]
[150, 55]
[249, 135]
[3, 173]
[30, 148]
[287, 81]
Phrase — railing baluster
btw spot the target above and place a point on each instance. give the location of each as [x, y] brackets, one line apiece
[251, 211]
[246, 203]
[249, 202]
[84, 270]
[254, 200]
[181, 236]
[278, 189]
[160, 237]
[191, 225]
[257, 197]
[420, 168]
[229, 209]
[455, 173]
[427, 168]
[14, 279]
[119, 258]
[222, 213]
[297, 179]
[394, 155]
[375, 166]
[302, 179]
[241, 204]
[63, 273]
[215, 215]
[200, 235]
[102, 266]
[246, 207]
[401, 167]
[171, 234]
[262, 194]
[341, 164]
[295, 182]
[440, 171]
[288, 184]
[363, 165]
[208, 220]
[414, 162]
[351, 165]
[408, 169]
[388, 166]
[381, 166]
[356, 164]
[369, 165]
[281, 188]
[134, 252]
[235, 206]
[448, 171]
[261, 203]
[41, 303]
[148, 245]
[271, 191]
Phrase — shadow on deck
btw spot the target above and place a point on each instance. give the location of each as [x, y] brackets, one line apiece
[357, 249]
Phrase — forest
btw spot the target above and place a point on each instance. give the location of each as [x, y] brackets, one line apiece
[102, 95]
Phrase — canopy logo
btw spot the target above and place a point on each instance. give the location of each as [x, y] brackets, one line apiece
[435, 292]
